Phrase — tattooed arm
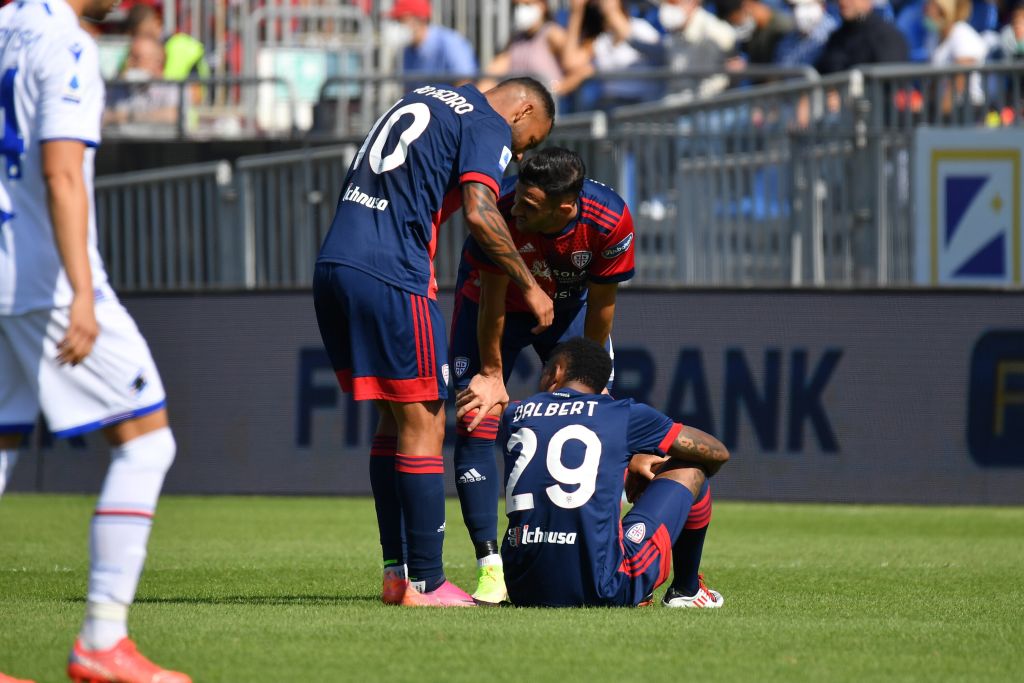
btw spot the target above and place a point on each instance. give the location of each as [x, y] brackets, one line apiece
[490, 231]
[694, 446]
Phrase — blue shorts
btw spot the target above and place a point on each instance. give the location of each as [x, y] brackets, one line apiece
[465, 351]
[384, 342]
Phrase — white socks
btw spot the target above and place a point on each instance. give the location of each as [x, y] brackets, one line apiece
[489, 560]
[8, 459]
[120, 531]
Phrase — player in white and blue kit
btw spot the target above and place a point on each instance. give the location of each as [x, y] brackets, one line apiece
[67, 346]
[566, 450]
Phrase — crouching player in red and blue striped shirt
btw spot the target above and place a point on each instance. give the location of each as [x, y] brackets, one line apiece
[576, 236]
[565, 451]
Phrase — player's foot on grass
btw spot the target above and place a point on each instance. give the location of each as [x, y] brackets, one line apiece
[705, 598]
[122, 663]
[4, 678]
[490, 586]
[446, 595]
[395, 585]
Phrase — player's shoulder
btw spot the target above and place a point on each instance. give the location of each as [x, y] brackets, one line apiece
[599, 196]
[60, 40]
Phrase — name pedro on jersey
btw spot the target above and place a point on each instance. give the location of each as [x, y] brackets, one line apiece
[536, 409]
[453, 99]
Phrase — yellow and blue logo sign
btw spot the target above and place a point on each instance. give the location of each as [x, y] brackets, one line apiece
[995, 425]
[969, 223]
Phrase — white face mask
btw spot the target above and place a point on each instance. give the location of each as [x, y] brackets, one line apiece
[807, 15]
[672, 17]
[745, 30]
[525, 17]
[136, 75]
[397, 34]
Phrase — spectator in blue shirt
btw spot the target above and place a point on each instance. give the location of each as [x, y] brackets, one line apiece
[813, 27]
[429, 48]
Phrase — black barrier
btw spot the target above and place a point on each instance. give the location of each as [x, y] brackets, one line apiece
[913, 396]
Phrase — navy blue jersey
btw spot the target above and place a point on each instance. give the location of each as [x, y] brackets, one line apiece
[406, 179]
[596, 246]
[565, 457]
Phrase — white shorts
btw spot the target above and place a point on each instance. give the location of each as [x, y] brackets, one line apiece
[117, 381]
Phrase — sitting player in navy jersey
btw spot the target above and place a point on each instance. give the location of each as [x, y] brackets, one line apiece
[576, 236]
[565, 452]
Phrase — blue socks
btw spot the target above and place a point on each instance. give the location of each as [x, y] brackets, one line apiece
[421, 490]
[384, 483]
[476, 478]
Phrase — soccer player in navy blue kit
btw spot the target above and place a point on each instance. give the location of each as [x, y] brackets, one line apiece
[376, 296]
[565, 453]
[576, 235]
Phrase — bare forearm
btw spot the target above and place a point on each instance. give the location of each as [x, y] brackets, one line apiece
[69, 212]
[490, 231]
[490, 323]
[693, 445]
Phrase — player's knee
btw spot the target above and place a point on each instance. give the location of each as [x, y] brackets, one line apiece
[153, 451]
[691, 477]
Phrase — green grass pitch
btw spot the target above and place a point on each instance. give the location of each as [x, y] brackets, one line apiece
[241, 589]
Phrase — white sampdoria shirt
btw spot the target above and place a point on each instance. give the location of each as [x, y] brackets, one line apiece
[50, 89]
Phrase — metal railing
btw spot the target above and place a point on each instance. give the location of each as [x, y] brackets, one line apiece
[220, 107]
[801, 183]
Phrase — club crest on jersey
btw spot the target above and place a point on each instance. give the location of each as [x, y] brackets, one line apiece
[637, 532]
[444, 373]
[618, 249]
[581, 259]
[506, 157]
[461, 365]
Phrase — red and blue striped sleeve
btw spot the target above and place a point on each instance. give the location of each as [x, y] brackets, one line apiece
[614, 261]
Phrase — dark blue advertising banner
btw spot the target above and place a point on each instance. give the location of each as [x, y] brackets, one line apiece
[913, 397]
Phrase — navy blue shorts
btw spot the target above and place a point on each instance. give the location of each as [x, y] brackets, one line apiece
[646, 542]
[384, 342]
[465, 352]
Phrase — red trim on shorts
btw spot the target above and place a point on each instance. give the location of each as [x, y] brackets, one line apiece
[428, 339]
[417, 332]
[700, 513]
[673, 432]
[419, 464]
[345, 379]
[474, 177]
[411, 390]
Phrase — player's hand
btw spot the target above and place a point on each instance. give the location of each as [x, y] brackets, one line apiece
[82, 332]
[483, 393]
[541, 306]
[642, 469]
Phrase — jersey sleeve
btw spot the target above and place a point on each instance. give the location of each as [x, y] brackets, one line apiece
[484, 152]
[614, 262]
[71, 91]
[650, 430]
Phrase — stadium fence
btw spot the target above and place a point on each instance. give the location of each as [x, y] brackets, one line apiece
[792, 183]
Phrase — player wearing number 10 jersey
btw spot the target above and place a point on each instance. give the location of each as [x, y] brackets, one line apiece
[376, 296]
[565, 453]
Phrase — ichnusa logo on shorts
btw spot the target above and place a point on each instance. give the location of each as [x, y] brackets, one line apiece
[524, 535]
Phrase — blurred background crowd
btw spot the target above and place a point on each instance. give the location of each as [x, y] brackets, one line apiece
[258, 65]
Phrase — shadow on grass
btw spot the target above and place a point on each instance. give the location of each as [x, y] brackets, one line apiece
[252, 600]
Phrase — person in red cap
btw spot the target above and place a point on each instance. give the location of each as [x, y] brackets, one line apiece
[428, 48]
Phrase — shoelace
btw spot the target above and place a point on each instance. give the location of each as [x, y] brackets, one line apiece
[701, 586]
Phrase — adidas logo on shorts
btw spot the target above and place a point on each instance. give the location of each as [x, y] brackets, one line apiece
[471, 476]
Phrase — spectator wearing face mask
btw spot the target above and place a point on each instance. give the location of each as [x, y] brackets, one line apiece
[1011, 39]
[863, 37]
[622, 43]
[759, 27]
[958, 45]
[535, 49]
[695, 40]
[143, 101]
[813, 27]
[427, 48]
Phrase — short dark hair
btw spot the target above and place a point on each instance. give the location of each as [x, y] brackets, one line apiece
[138, 14]
[555, 170]
[725, 8]
[537, 89]
[586, 362]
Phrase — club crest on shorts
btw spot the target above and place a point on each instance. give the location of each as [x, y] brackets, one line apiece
[444, 373]
[581, 259]
[461, 365]
[637, 532]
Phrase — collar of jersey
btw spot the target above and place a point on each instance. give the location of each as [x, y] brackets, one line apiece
[564, 231]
